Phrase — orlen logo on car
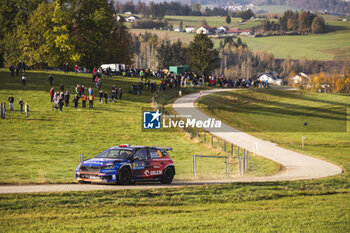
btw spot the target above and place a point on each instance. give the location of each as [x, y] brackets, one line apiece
[151, 120]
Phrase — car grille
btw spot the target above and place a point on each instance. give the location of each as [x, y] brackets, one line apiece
[90, 169]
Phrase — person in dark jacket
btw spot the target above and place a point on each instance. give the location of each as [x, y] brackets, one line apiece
[75, 100]
[66, 98]
[51, 79]
[11, 100]
[105, 96]
[120, 93]
[61, 87]
[20, 102]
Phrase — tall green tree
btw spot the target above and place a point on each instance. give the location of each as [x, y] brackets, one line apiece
[228, 19]
[201, 55]
[120, 45]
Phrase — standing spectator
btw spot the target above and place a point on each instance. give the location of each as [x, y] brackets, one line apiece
[76, 69]
[20, 102]
[113, 94]
[90, 91]
[77, 89]
[51, 79]
[26, 109]
[11, 100]
[12, 70]
[83, 101]
[24, 78]
[94, 70]
[66, 98]
[82, 89]
[100, 95]
[61, 87]
[120, 93]
[75, 101]
[2, 111]
[51, 94]
[60, 102]
[91, 101]
[105, 96]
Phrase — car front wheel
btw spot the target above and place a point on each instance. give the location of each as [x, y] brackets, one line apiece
[124, 176]
[168, 176]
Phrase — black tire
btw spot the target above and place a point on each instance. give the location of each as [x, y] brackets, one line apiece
[83, 182]
[168, 176]
[124, 176]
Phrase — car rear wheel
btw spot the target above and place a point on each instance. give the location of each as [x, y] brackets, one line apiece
[124, 176]
[168, 176]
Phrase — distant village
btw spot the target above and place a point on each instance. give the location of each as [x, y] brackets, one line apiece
[223, 31]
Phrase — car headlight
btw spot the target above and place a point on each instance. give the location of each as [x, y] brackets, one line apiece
[108, 166]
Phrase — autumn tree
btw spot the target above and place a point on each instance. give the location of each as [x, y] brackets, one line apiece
[318, 25]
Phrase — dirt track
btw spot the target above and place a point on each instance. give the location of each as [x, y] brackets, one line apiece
[297, 166]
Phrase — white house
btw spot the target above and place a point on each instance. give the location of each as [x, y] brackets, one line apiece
[271, 78]
[299, 77]
[205, 29]
[178, 30]
[221, 30]
[189, 29]
[131, 18]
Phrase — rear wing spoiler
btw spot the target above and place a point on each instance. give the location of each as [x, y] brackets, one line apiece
[163, 148]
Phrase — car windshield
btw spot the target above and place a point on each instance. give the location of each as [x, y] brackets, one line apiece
[115, 154]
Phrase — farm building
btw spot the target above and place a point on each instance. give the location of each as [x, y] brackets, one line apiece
[271, 78]
[205, 29]
[189, 29]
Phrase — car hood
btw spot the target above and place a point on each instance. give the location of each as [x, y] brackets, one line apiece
[98, 162]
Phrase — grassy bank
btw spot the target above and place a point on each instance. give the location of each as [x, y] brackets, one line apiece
[280, 207]
[280, 117]
[45, 147]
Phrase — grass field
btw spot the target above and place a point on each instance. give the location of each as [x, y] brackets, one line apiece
[320, 205]
[328, 46]
[46, 147]
[279, 116]
[268, 207]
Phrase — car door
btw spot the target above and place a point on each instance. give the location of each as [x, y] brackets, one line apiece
[141, 163]
[156, 163]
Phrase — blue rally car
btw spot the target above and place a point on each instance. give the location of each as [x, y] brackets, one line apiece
[125, 164]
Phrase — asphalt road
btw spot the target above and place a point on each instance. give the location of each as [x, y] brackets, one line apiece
[297, 166]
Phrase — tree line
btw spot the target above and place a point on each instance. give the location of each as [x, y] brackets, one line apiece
[84, 33]
[295, 22]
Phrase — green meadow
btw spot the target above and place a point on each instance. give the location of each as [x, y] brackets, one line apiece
[334, 45]
[46, 147]
[280, 116]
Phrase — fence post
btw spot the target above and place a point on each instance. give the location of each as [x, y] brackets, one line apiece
[239, 164]
[218, 143]
[81, 157]
[226, 166]
[205, 137]
[247, 159]
[231, 149]
[224, 146]
[212, 143]
[194, 165]
[244, 151]
[191, 133]
[197, 133]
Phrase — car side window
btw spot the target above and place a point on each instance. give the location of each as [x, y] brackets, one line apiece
[141, 154]
[154, 154]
